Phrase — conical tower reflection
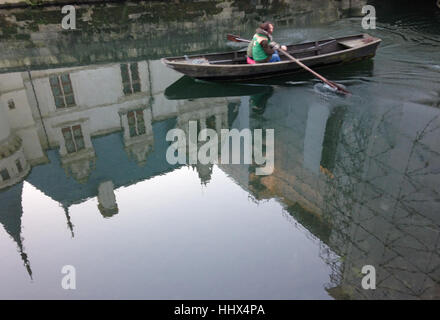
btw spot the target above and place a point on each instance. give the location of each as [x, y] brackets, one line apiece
[11, 212]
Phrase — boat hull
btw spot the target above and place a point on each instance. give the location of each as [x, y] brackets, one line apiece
[362, 47]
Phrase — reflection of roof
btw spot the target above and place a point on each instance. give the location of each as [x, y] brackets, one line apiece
[315, 224]
[11, 211]
[112, 163]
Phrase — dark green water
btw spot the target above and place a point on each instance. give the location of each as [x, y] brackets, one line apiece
[355, 180]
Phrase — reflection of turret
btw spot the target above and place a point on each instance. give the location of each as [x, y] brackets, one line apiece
[13, 164]
[107, 200]
[10, 217]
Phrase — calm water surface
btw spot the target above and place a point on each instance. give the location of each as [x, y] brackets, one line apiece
[355, 180]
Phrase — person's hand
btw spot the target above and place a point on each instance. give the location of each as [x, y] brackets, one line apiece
[284, 48]
[274, 45]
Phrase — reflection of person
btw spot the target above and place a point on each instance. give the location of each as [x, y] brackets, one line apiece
[258, 101]
[262, 48]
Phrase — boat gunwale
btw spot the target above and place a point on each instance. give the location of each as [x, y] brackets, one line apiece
[257, 65]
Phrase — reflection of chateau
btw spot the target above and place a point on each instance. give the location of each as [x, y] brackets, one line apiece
[369, 196]
[363, 182]
[87, 131]
[67, 108]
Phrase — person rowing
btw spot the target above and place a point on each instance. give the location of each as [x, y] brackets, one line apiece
[262, 48]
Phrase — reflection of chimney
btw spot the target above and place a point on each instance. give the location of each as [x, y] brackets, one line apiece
[107, 199]
[25, 259]
[69, 222]
[204, 171]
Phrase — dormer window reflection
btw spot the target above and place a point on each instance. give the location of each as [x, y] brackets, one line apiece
[19, 166]
[11, 104]
[5, 174]
[73, 138]
[136, 123]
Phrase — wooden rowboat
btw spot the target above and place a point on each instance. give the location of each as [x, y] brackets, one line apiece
[232, 66]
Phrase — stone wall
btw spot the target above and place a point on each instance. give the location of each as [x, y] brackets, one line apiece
[9, 1]
[25, 3]
[146, 30]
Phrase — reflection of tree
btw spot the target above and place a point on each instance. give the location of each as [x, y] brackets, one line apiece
[382, 204]
[347, 161]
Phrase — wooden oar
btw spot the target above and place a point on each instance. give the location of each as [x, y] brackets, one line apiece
[335, 86]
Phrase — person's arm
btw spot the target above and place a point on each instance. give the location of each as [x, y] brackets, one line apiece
[274, 45]
[277, 46]
[266, 47]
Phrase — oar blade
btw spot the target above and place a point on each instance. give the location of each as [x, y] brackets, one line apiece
[340, 89]
[232, 37]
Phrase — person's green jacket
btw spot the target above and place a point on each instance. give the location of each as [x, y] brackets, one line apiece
[261, 48]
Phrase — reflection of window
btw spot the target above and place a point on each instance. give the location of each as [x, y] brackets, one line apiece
[210, 122]
[5, 174]
[136, 122]
[73, 138]
[130, 78]
[18, 165]
[62, 91]
[11, 104]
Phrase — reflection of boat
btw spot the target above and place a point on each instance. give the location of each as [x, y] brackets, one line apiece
[232, 66]
[188, 88]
